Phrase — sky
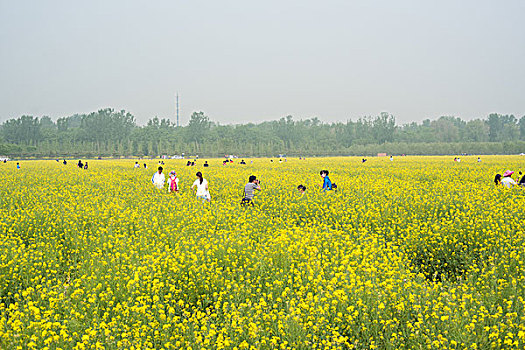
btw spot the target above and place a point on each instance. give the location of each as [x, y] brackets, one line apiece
[251, 61]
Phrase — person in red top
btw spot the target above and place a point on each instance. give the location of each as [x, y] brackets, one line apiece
[173, 182]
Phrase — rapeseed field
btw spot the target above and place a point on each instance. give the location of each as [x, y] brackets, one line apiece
[418, 253]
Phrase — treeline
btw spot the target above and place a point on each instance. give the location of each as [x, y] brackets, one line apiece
[115, 133]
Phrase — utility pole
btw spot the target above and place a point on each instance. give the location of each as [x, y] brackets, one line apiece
[177, 103]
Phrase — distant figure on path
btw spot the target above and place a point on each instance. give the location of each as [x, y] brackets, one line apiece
[507, 180]
[158, 179]
[202, 187]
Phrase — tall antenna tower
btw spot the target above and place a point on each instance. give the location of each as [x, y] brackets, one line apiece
[177, 106]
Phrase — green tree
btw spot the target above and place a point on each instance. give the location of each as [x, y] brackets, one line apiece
[198, 128]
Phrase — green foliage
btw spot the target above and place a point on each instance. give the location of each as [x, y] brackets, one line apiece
[115, 133]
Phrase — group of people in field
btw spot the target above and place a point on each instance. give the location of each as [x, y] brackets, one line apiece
[81, 165]
[200, 185]
[507, 181]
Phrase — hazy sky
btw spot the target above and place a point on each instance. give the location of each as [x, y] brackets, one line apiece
[241, 61]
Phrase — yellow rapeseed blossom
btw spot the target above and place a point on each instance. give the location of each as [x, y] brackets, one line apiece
[422, 252]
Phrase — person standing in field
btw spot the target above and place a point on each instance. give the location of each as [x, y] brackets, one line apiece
[202, 187]
[327, 184]
[507, 179]
[85, 166]
[158, 179]
[249, 190]
[18, 165]
[137, 165]
[173, 182]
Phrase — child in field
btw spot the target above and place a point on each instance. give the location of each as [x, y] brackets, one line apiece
[173, 182]
[158, 179]
[497, 179]
[85, 166]
[137, 165]
[327, 184]
[301, 189]
[18, 165]
[202, 187]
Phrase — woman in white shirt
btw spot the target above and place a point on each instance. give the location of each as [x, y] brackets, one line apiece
[202, 187]
[507, 180]
[158, 179]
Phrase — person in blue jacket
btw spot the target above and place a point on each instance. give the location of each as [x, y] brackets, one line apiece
[327, 184]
